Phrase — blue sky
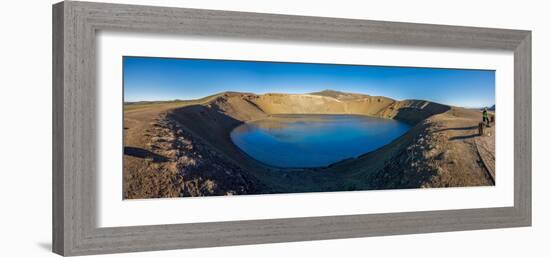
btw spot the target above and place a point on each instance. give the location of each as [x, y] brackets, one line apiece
[158, 79]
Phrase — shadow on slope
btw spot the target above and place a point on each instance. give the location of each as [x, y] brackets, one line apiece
[144, 154]
[415, 111]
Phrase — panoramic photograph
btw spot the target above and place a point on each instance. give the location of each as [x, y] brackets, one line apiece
[205, 127]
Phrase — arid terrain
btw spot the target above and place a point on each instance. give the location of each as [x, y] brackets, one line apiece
[183, 148]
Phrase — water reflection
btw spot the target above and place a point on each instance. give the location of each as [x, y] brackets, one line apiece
[314, 140]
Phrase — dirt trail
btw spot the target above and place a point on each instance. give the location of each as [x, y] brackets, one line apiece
[486, 150]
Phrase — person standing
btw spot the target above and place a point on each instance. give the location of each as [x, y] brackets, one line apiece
[486, 116]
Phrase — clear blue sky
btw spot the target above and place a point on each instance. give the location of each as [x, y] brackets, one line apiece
[157, 79]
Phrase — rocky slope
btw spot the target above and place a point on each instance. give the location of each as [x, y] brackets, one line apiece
[200, 159]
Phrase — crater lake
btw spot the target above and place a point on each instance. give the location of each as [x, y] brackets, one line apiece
[306, 141]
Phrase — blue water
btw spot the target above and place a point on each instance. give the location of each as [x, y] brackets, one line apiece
[300, 141]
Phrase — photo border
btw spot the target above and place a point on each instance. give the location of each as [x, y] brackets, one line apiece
[75, 25]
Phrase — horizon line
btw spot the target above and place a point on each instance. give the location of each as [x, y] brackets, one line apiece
[309, 93]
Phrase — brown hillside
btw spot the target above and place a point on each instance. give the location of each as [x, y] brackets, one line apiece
[441, 150]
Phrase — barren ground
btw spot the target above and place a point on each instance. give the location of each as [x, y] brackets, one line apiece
[182, 148]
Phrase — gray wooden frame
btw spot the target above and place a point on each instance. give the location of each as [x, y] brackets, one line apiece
[74, 128]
